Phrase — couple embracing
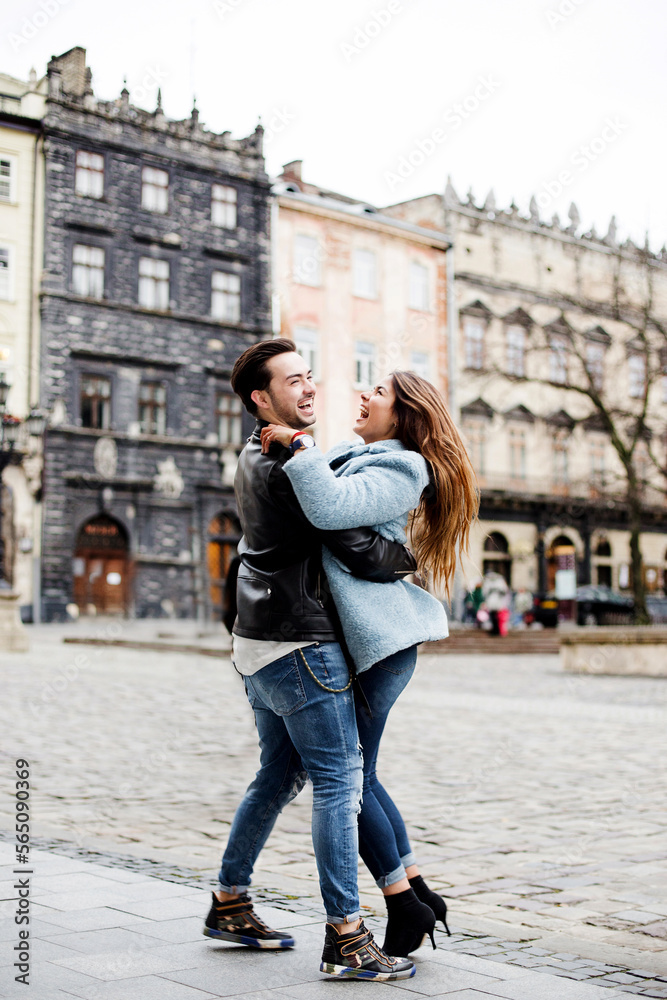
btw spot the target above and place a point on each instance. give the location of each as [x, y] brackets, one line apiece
[326, 639]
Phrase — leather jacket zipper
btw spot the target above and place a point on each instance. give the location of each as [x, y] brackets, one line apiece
[318, 595]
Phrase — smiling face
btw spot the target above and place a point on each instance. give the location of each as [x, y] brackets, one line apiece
[376, 420]
[290, 395]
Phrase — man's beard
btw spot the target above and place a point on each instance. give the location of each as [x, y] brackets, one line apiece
[291, 417]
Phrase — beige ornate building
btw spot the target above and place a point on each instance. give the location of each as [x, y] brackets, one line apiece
[21, 226]
[360, 293]
[543, 309]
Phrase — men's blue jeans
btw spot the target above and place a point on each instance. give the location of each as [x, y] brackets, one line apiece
[304, 730]
[383, 839]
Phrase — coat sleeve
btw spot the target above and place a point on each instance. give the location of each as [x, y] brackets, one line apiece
[365, 553]
[378, 492]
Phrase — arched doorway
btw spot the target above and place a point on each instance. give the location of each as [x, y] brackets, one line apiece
[562, 575]
[102, 567]
[224, 534]
[497, 558]
[603, 565]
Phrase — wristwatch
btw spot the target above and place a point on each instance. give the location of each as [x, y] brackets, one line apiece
[301, 441]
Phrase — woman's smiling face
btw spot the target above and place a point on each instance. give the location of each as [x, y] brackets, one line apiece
[376, 420]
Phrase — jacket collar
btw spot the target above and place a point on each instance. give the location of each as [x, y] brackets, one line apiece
[255, 436]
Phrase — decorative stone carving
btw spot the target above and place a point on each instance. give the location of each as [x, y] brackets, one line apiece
[105, 457]
[534, 210]
[58, 413]
[169, 481]
[229, 463]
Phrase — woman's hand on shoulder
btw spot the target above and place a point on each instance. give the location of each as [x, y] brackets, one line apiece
[276, 432]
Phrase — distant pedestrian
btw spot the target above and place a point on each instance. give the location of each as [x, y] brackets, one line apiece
[496, 599]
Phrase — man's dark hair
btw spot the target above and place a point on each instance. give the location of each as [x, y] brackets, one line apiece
[251, 371]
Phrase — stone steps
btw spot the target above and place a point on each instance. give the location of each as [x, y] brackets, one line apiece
[474, 641]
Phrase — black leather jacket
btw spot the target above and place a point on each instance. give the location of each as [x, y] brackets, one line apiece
[281, 590]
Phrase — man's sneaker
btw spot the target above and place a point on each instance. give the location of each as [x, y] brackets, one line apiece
[237, 921]
[357, 956]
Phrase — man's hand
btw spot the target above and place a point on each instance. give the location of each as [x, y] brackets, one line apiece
[276, 432]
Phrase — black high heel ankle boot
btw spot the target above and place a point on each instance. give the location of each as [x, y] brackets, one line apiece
[408, 923]
[432, 899]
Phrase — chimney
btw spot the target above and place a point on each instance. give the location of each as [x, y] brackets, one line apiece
[71, 66]
[293, 170]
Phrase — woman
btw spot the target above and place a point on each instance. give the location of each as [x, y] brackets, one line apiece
[412, 466]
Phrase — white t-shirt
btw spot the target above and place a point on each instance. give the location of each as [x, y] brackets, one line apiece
[250, 655]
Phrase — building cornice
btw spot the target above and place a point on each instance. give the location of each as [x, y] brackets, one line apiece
[369, 221]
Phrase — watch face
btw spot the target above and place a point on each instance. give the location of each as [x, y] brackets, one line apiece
[307, 441]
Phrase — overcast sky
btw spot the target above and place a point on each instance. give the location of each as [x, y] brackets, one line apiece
[563, 99]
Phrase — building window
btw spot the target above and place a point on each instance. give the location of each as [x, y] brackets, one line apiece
[228, 415]
[154, 189]
[95, 402]
[558, 360]
[561, 461]
[226, 296]
[419, 363]
[154, 283]
[475, 436]
[6, 272]
[418, 286]
[595, 364]
[364, 365]
[307, 261]
[636, 375]
[223, 206]
[364, 274]
[89, 180]
[516, 351]
[597, 469]
[88, 271]
[152, 408]
[7, 178]
[307, 345]
[473, 341]
[517, 439]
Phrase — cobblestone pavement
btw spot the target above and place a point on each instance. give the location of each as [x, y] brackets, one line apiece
[536, 800]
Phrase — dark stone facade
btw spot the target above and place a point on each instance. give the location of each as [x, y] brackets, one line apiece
[163, 490]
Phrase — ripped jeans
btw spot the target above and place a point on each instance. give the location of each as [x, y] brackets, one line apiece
[303, 731]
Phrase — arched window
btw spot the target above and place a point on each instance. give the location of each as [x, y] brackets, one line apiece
[498, 559]
[495, 542]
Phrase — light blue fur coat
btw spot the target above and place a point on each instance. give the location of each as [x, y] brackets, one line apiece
[377, 485]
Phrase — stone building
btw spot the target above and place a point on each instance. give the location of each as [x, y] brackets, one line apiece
[21, 225]
[359, 292]
[156, 276]
[533, 299]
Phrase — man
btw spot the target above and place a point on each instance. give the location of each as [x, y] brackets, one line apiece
[286, 644]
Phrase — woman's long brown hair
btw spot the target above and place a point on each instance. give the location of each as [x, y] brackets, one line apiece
[440, 525]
